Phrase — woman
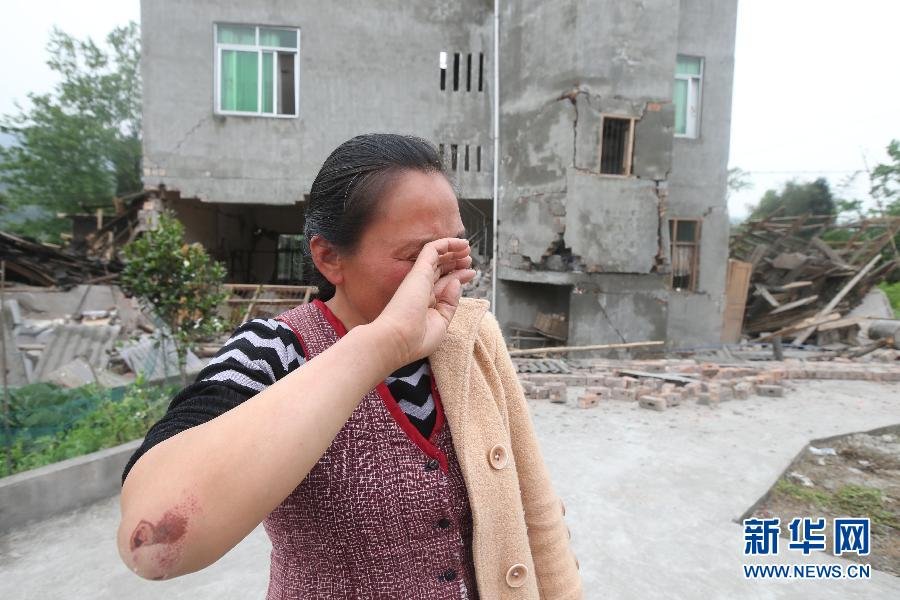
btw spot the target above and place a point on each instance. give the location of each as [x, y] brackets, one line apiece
[381, 436]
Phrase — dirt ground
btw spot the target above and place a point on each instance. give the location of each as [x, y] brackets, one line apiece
[856, 475]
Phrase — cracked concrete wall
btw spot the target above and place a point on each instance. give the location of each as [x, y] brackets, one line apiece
[365, 66]
[564, 65]
[611, 222]
[618, 308]
[699, 170]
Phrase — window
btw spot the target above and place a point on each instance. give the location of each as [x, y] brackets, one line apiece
[616, 145]
[290, 258]
[257, 70]
[688, 76]
[684, 235]
[460, 62]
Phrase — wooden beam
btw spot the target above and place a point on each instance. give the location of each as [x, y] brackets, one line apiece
[762, 291]
[795, 304]
[840, 296]
[559, 349]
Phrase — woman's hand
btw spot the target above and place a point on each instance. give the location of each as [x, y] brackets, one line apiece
[420, 311]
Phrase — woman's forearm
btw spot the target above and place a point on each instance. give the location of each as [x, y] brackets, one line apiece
[194, 496]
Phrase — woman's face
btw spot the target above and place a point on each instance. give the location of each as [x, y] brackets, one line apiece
[416, 209]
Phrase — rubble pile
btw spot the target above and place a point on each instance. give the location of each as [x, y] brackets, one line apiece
[808, 272]
[38, 264]
[664, 383]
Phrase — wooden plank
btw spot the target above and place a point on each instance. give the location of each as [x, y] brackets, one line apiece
[795, 304]
[828, 251]
[556, 349]
[762, 291]
[813, 321]
[840, 296]
[738, 280]
[791, 286]
[841, 323]
[674, 378]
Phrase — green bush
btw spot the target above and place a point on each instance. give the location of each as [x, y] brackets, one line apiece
[108, 422]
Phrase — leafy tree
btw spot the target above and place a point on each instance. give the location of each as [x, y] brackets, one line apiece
[737, 180]
[795, 199]
[885, 180]
[176, 281]
[78, 146]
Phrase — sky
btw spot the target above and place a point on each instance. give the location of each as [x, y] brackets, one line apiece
[815, 90]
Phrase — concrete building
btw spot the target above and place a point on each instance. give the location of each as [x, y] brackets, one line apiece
[614, 123]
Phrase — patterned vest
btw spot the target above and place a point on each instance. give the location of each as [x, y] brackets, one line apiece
[383, 514]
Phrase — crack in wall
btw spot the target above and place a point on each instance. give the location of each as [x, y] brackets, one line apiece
[608, 320]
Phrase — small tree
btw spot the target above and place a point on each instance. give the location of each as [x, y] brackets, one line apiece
[177, 282]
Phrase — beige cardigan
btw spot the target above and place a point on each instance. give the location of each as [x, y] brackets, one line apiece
[520, 543]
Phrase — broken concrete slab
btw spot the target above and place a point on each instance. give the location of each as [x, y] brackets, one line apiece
[80, 372]
[155, 359]
[93, 343]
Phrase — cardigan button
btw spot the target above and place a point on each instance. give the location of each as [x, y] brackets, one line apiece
[515, 577]
[444, 523]
[449, 575]
[431, 465]
[498, 457]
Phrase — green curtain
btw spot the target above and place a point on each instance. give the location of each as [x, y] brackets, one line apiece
[680, 98]
[236, 34]
[268, 83]
[687, 65]
[239, 80]
[280, 38]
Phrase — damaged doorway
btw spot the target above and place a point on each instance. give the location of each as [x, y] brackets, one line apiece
[258, 243]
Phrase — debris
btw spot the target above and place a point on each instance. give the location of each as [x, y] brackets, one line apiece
[800, 478]
[653, 403]
[822, 451]
[91, 343]
[773, 391]
[258, 300]
[807, 270]
[545, 365]
[155, 359]
[80, 372]
[554, 326]
[33, 263]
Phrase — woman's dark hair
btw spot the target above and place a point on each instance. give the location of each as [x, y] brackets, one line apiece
[346, 192]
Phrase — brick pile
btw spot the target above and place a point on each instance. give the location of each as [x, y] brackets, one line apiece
[706, 383]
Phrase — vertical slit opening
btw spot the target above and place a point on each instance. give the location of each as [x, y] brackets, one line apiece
[466, 159]
[453, 153]
[481, 71]
[478, 158]
[456, 71]
[469, 72]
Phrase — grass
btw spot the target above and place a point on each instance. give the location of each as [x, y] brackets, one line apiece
[850, 500]
[893, 293]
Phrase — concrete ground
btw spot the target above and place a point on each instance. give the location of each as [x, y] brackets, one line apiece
[651, 498]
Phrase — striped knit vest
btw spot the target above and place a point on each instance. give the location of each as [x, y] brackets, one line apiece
[384, 513]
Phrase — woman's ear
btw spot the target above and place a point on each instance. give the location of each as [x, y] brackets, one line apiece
[327, 259]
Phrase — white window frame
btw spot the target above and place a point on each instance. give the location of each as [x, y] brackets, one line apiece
[694, 99]
[217, 53]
